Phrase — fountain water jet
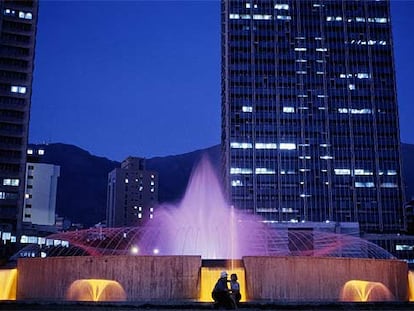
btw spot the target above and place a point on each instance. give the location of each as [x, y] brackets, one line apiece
[95, 290]
[363, 291]
[202, 223]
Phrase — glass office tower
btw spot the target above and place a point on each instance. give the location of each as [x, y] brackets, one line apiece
[18, 21]
[310, 128]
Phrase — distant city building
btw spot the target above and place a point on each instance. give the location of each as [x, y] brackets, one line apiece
[41, 184]
[310, 128]
[132, 194]
[40, 196]
[18, 23]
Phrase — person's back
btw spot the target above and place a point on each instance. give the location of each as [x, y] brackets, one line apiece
[221, 293]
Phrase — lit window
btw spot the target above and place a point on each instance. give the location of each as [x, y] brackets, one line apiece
[391, 172]
[30, 151]
[326, 157]
[247, 109]
[237, 145]
[262, 17]
[248, 5]
[238, 170]
[351, 87]
[300, 49]
[139, 215]
[18, 89]
[281, 6]
[264, 170]
[367, 184]
[265, 146]
[21, 14]
[287, 146]
[363, 172]
[11, 182]
[126, 180]
[245, 16]
[234, 16]
[301, 72]
[302, 95]
[321, 49]
[28, 16]
[284, 17]
[236, 183]
[41, 152]
[301, 61]
[363, 75]
[361, 111]
[360, 19]
[289, 109]
[381, 20]
[342, 171]
[322, 96]
[151, 216]
[2, 195]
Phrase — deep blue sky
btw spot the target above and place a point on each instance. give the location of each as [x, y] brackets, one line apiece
[142, 78]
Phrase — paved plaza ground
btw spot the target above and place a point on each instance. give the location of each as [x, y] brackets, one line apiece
[129, 306]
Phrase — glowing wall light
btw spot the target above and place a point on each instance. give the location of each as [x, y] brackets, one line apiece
[8, 284]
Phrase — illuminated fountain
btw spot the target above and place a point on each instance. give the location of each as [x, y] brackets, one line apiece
[363, 291]
[170, 253]
[95, 290]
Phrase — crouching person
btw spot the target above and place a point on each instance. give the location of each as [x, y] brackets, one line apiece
[221, 293]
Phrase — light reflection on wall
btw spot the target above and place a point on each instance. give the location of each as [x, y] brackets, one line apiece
[209, 277]
[95, 290]
[8, 284]
[363, 291]
[410, 285]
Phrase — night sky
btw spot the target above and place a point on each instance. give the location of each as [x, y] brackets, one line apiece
[142, 78]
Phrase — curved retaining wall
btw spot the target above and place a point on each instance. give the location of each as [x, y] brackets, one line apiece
[143, 278]
[319, 279]
[169, 278]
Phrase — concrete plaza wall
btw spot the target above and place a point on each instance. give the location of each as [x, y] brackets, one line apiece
[142, 277]
[319, 279]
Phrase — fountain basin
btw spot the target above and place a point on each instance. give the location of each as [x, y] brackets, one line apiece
[179, 278]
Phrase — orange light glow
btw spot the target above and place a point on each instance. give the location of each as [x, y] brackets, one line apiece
[8, 284]
[209, 277]
[410, 285]
[362, 291]
[95, 290]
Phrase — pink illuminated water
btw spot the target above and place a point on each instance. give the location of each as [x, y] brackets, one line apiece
[202, 223]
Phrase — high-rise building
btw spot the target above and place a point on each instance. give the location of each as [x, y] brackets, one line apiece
[18, 22]
[310, 128]
[132, 194]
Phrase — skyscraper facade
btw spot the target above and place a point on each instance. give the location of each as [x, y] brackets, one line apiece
[18, 22]
[310, 128]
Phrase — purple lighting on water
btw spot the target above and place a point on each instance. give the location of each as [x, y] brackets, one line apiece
[203, 223]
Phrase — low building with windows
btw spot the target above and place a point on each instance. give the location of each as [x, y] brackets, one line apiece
[132, 194]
